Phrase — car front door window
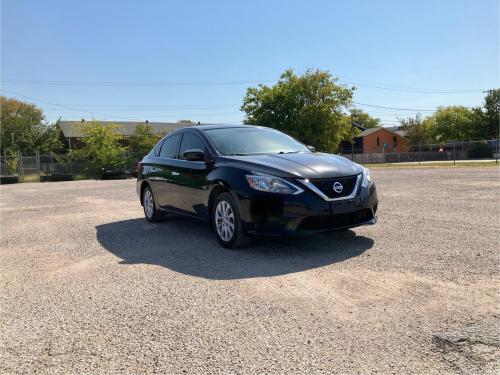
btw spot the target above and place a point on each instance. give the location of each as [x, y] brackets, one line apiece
[191, 142]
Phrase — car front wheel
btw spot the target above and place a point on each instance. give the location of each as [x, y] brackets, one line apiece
[227, 224]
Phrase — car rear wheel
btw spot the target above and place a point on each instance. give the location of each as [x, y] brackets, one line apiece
[151, 213]
[227, 223]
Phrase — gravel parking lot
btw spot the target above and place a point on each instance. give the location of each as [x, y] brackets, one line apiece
[88, 286]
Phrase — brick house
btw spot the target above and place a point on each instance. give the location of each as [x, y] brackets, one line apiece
[377, 140]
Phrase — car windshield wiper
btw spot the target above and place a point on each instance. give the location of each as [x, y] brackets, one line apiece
[237, 154]
[289, 152]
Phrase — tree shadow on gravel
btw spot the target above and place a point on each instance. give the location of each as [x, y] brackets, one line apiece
[189, 247]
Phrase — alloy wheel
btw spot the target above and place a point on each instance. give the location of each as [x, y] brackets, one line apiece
[148, 203]
[224, 220]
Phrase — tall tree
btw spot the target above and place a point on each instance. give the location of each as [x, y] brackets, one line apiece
[308, 107]
[492, 114]
[417, 130]
[24, 129]
[453, 123]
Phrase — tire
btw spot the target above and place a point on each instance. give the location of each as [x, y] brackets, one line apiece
[227, 224]
[152, 214]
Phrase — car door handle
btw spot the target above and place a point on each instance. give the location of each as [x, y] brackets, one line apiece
[175, 173]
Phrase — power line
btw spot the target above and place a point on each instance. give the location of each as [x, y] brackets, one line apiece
[345, 79]
[106, 115]
[390, 87]
[154, 107]
[62, 106]
[133, 109]
[396, 109]
[183, 114]
[93, 113]
[133, 84]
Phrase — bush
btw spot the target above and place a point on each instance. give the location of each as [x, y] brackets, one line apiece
[56, 177]
[102, 149]
[480, 150]
[9, 179]
[114, 174]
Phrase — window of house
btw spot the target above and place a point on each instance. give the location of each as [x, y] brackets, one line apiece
[378, 141]
[394, 141]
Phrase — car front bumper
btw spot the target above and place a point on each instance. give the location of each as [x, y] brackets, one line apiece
[305, 213]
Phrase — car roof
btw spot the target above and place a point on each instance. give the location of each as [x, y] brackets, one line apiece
[222, 126]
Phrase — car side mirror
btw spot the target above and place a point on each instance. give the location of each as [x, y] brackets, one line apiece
[194, 155]
[312, 148]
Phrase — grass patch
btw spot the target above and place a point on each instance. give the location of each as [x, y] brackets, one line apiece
[82, 176]
[29, 178]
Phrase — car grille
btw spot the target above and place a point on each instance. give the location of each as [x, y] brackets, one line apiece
[325, 222]
[326, 185]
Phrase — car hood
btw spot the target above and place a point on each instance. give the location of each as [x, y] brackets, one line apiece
[298, 165]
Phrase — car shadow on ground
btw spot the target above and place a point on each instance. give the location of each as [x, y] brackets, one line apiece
[189, 247]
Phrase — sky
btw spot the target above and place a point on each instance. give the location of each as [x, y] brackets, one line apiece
[190, 59]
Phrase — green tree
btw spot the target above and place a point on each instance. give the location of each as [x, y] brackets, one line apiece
[102, 148]
[417, 129]
[25, 130]
[491, 125]
[143, 140]
[479, 126]
[359, 117]
[308, 107]
[453, 123]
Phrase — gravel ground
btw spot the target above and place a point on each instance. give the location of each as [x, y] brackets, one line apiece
[88, 286]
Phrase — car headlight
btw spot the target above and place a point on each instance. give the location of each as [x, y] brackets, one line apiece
[367, 178]
[272, 184]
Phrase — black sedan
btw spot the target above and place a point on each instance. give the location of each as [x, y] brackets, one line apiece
[252, 180]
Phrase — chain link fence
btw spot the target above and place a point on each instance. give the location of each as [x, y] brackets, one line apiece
[453, 151]
[20, 168]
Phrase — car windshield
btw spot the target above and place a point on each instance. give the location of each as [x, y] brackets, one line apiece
[253, 141]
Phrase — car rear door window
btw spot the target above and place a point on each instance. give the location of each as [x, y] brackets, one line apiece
[191, 141]
[158, 148]
[169, 147]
